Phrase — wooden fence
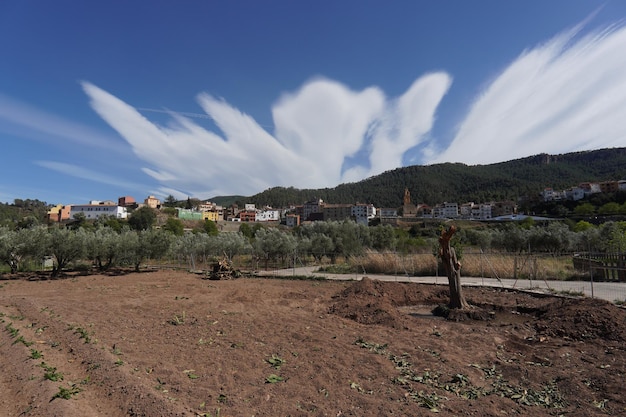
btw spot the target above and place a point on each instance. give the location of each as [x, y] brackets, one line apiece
[602, 266]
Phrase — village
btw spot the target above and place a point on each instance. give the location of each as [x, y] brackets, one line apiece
[319, 210]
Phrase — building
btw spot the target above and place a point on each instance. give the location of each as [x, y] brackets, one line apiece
[212, 215]
[189, 214]
[152, 202]
[336, 212]
[590, 188]
[446, 211]
[503, 208]
[126, 201]
[59, 213]
[247, 215]
[292, 220]
[97, 209]
[609, 186]
[363, 213]
[575, 193]
[267, 215]
[408, 208]
[481, 211]
[311, 208]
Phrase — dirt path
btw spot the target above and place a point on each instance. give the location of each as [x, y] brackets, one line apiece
[172, 344]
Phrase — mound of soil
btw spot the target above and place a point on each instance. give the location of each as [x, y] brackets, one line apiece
[169, 343]
[583, 319]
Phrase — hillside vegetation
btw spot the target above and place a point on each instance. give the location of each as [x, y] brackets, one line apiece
[459, 182]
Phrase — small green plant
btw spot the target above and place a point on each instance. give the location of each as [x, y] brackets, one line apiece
[190, 374]
[83, 334]
[66, 393]
[178, 320]
[51, 373]
[22, 341]
[275, 361]
[35, 354]
[119, 362]
[273, 378]
[12, 330]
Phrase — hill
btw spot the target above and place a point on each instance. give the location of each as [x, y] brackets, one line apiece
[459, 182]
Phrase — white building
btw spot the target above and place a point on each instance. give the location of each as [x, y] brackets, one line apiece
[446, 211]
[481, 212]
[575, 193]
[362, 213]
[267, 216]
[94, 211]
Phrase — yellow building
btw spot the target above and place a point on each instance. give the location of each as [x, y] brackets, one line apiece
[210, 215]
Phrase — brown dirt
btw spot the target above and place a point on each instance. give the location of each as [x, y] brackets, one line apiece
[171, 344]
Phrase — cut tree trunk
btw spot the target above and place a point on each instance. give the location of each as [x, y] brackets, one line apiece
[453, 270]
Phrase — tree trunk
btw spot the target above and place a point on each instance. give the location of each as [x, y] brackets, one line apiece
[453, 269]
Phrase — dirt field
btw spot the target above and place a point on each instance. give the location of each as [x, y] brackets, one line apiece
[172, 344]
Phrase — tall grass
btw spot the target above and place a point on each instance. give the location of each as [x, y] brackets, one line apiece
[491, 265]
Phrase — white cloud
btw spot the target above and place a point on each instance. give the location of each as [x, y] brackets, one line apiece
[29, 122]
[566, 95]
[84, 173]
[316, 129]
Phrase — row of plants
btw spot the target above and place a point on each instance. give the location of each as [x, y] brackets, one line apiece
[104, 247]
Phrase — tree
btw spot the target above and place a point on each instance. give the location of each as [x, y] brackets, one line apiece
[142, 219]
[66, 246]
[174, 226]
[271, 243]
[453, 269]
[105, 247]
[16, 245]
[146, 244]
[170, 201]
[210, 228]
[609, 209]
[584, 209]
[383, 237]
[246, 230]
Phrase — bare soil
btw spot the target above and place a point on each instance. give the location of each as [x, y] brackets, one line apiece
[172, 344]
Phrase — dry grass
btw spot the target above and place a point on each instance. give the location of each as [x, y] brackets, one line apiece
[493, 265]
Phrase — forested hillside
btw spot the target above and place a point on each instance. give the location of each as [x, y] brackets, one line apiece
[459, 182]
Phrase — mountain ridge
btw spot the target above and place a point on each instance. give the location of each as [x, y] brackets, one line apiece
[432, 184]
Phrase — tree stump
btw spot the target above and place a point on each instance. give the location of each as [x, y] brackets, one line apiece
[452, 266]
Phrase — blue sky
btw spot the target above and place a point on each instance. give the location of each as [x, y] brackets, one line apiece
[203, 98]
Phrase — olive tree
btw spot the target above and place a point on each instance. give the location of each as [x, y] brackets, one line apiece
[145, 244]
[17, 245]
[65, 246]
[272, 243]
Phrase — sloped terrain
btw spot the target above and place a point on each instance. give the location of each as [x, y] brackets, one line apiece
[171, 344]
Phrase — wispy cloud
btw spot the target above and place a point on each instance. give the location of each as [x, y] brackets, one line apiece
[566, 95]
[84, 173]
[316, 129]
[27, 121]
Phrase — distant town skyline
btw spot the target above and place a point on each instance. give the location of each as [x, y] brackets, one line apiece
[202, 99]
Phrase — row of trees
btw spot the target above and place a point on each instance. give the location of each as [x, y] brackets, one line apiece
[105, 245]
[556, 238]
